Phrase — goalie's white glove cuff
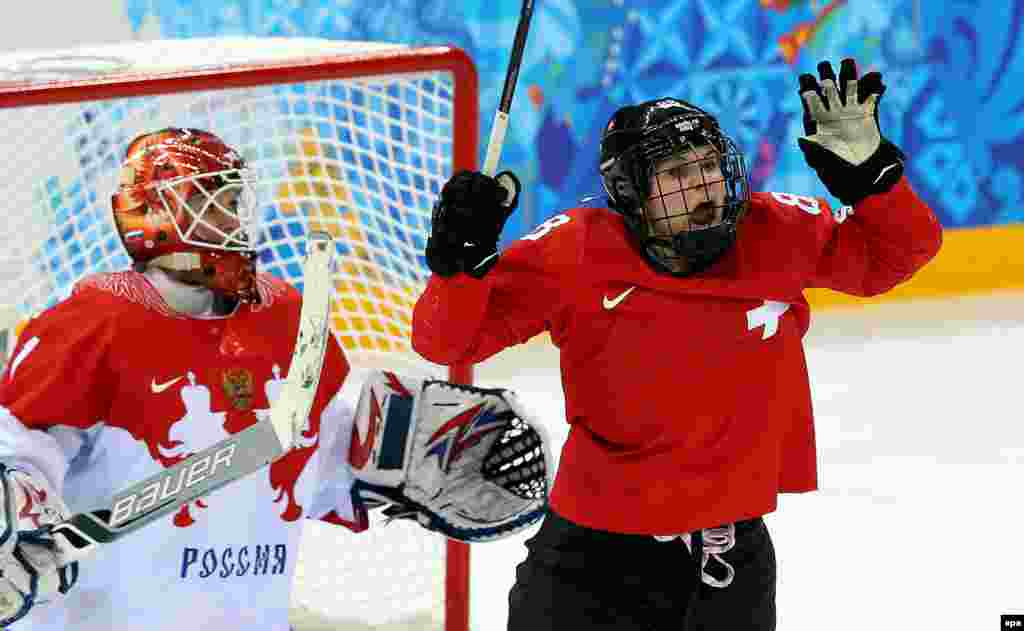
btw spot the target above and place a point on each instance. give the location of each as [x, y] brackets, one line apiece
[33, 570]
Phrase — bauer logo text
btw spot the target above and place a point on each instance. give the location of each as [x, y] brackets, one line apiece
[166, 488]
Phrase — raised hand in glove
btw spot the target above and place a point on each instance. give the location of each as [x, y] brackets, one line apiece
[467, 221]
[843, 143]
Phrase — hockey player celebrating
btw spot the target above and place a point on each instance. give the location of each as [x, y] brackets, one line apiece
[679, 314]
[137, 370]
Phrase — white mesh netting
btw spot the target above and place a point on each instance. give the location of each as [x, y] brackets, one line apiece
[362, 158]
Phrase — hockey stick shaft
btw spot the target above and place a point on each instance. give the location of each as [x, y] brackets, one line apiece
[197, 476]
[290, 413]
[237, 455]
[501, 117]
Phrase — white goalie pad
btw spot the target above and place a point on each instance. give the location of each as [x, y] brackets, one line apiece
[467, 462]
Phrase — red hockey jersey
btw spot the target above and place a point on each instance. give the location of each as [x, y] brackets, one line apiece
[114, 353]
[121, 386]
[688, 398]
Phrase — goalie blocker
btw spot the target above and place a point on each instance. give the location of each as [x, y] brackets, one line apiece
[464, 461]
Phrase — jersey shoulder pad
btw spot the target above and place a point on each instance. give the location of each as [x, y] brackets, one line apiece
[606, 222]
[558, 227]
[130, 287]
[555, 243]
[789, 222]
[81, 321]
[115, 290]
[795, 211]
[564, 231]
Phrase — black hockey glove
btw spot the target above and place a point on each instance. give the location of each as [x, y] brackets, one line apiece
[467, 221]
[843, 142]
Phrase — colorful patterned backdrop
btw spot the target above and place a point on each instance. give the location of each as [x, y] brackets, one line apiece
[953, 104]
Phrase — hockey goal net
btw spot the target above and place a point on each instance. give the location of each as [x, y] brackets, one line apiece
[349, 137]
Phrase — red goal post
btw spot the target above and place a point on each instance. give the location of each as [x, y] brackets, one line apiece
[354, 138]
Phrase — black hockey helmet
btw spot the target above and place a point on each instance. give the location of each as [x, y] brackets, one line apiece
[640, 137]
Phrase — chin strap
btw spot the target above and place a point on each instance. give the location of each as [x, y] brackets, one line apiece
[193, 300]
[178, 261]
[232, 274]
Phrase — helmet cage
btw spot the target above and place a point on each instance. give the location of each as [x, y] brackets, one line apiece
[196, 206]
[627, 175]
[187, 202]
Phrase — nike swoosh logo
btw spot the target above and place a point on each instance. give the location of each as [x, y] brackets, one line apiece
[614, 302]
[884, 171]
[25, 350]
[157, 388]
[483, 262]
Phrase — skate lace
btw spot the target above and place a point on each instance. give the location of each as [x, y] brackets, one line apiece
[717, 541]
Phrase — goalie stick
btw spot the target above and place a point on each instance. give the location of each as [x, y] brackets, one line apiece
[237, 455]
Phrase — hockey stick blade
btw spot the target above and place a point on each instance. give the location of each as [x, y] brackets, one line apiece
[237, 455]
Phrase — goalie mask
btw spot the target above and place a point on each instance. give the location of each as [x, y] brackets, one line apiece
[679, 182]
[186, 202]
[467, 462]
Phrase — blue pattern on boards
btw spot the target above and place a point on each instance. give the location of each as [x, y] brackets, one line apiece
[952, 103]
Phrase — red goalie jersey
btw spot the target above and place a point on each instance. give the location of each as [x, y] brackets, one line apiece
[111, 385]
[688, 397]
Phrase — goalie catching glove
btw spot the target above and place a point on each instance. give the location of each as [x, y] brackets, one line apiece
[32, 569]
[843, 143]
[467, 462]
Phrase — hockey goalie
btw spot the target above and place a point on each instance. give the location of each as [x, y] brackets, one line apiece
[139, 369]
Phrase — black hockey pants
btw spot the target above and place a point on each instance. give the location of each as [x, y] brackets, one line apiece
[579, 579]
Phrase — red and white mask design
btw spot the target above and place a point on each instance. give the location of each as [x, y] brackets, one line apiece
[188, 199]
